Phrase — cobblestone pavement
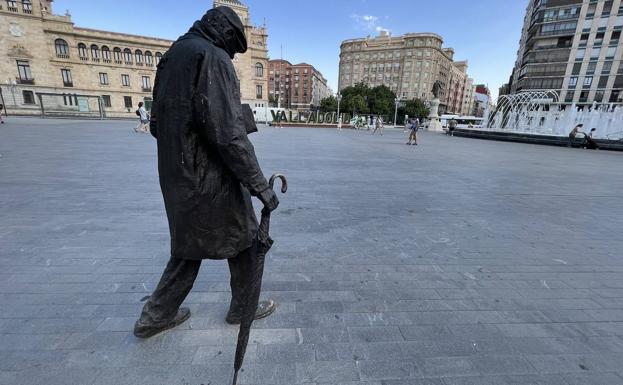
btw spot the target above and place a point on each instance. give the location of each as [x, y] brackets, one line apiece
[455, 262]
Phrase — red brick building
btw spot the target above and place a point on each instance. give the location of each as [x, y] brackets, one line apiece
[295, 86]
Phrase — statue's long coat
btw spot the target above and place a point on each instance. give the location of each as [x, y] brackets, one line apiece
[207, 166]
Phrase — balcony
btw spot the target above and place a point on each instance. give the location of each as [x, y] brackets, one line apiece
[12, 9]
[68, 84]
[25, 81]
[558, 32]
[28, 11]
[146, 89]
[62, 56]
[84, 58]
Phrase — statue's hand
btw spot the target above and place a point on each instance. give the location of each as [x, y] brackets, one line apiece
[269, 199]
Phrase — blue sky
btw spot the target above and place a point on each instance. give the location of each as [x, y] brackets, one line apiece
[485, 32]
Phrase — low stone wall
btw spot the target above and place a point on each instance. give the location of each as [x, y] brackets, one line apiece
[549, 140]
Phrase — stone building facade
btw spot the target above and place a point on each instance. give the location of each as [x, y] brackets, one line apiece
[409, 65]
[49, 64]
[251, 67]
[573, 47]
[296, 86]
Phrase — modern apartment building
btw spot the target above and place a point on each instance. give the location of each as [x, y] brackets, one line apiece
[572, 47]
[296, 86]
[409, 65]
[80, 71]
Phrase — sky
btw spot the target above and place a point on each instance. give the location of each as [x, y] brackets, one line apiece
[484, 32]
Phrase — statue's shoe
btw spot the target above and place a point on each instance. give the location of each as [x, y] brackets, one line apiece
[264, 309]
[149, 330]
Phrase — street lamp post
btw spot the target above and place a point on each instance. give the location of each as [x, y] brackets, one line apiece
[339, 118]
[396, 102]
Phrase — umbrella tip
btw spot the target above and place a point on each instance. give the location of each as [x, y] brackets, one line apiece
[235, 378]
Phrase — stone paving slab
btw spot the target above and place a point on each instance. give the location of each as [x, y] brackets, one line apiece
[455, 262]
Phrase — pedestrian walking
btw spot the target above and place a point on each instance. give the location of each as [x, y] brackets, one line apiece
[207, 167]
[378, 125]
[143, 119]
[414, 126]
[573, 134]
[452, 126]
[1, 109]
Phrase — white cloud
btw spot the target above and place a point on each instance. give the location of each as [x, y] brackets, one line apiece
[368, 22]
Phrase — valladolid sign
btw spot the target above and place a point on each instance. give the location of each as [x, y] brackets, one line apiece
[284, 116]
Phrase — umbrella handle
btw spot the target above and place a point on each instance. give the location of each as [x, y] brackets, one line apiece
[284, 182]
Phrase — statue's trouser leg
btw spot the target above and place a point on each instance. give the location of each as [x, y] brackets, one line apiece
[240, 269]
[176, 282]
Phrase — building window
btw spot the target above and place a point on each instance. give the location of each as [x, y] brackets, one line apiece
[590, 70]
[11, 5]
[67, 80]
[28, 97]
[576, 69]
[258, 91]
[116, 53]
[127, 56]
[588, 81]
[23, 68]
[595, 53]
[259, 70]
[103, 78]
[69, 100]
[106, 54]
[139, 57]
[610, 52]
[583, 97]
[95, 53]
[82, 51]
[27, 6]
[127, 101]
[573, 81]
[158, 57]
[62, 48]
[599, 96]
[607, 67]
[146, 84]
[580, 54]
[125, 80]
[106, 101]
[149, 58]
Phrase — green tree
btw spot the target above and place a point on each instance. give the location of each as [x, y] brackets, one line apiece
[416, 108]
[328, 104]
[381, 100]
[354, 98]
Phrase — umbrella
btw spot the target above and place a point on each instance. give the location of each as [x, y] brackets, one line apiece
[254, 281]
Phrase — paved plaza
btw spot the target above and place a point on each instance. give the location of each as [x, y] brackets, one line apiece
[456, 262]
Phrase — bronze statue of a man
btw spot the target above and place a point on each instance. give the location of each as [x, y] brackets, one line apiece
[207, 166]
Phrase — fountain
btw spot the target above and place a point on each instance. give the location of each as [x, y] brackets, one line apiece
[541, 113]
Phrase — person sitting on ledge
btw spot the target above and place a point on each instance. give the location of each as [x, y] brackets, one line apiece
[589, 142]
[573, 134]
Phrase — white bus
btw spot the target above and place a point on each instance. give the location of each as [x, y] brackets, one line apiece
[463, 121]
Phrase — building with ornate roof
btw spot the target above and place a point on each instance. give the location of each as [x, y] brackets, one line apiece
[50, 65]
